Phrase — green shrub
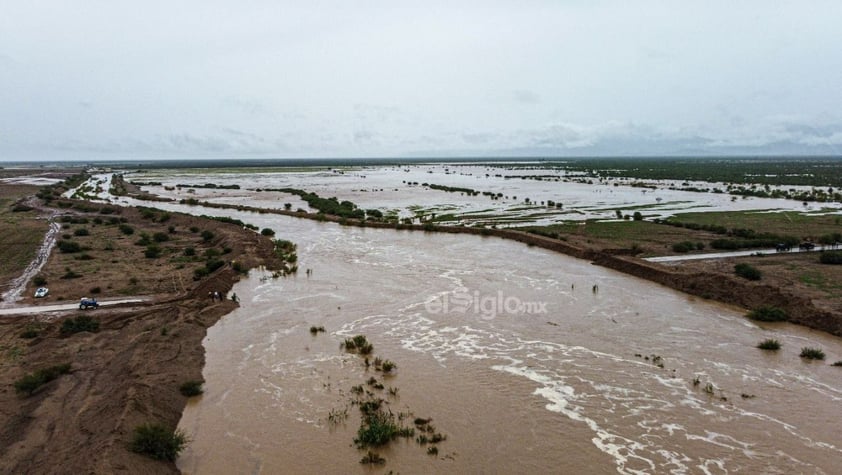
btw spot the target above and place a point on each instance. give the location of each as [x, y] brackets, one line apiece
[207, 235]
[769, 344]
[152, 251]
[812, 353]
[214, 264]
[190, 251]
[95, 290]
[747, 271]
[81, 232]
[82, 323]
[39, 280]
[160, 237]
[378, 428]
[267, 232]
[31, 382]
[68, 246]
[768, 314]
[388, 366]
[126, 229]
[158, 442]
[684, 246]
[358, 343]
[191, 388]
[31, 331]
[830, 257]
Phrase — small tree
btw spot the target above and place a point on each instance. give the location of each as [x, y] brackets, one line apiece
[747, 271]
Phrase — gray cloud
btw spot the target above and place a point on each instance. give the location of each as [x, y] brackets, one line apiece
[282, 78]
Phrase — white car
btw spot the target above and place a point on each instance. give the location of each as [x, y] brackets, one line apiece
[41, 292]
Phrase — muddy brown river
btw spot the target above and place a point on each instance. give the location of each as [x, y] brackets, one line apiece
[529, 361]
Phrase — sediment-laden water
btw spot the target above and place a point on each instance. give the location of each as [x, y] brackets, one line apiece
[529, 361]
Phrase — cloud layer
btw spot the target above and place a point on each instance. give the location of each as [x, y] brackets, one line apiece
[336, 79]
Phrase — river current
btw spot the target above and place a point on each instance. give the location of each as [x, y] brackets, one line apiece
[529, 361]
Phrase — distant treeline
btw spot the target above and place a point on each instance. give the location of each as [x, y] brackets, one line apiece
[812, 171]
[210, 185]
[458, 189]
[345, 209]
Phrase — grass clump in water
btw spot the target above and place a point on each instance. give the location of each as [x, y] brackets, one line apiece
[372, 458]
[769, 344]
[314, 330]
[358, 344]
[82, 323]
[812, 353]
[158, 442]
[377, 428]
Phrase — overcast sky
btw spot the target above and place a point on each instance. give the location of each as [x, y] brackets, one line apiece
[263, 78]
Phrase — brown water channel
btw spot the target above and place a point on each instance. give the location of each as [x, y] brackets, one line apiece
[517, 357]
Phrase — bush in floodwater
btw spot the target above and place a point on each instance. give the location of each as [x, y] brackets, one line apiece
[812, 353]
[191, 388]
[838, 363]
[267, 232]
[377, 428]
[315, 330]
[747, 271]
[769, 344]
[388, 366]
[359, 344]
[68, 247]
[768, 314]
[158, 442]
[372, 458]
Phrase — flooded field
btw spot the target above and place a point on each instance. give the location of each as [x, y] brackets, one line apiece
[521, 198]
[527, 360]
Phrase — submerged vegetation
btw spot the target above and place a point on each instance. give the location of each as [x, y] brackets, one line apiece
[768, 314]
[812, 353]
[379, 425]
[769, 344]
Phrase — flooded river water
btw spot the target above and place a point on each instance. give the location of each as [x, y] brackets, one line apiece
[529, 361]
